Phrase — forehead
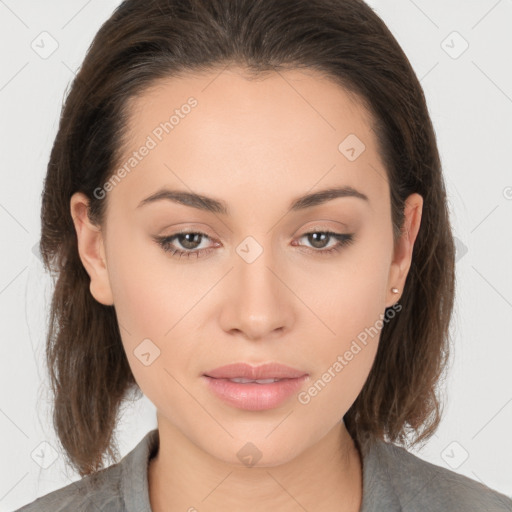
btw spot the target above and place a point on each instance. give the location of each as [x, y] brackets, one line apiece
[219, 132]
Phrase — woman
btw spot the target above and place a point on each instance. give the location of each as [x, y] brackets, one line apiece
[247, 217]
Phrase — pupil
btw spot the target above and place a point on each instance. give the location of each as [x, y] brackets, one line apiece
[191, 242]
[316, 236]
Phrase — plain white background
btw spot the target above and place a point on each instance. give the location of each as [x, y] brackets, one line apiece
[461, 52]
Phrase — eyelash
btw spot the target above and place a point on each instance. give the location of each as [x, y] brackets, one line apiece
[165, 242]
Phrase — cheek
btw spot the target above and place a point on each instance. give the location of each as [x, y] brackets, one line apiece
[150, 315]
[343, 361]
[155, 301]
[146, 305]
[143, 283]
[347, 294]
[349, 299]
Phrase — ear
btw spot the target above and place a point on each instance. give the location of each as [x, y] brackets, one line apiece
[91, 249]
[403, 251]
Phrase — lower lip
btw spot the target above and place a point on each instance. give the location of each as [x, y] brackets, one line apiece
[254, 396]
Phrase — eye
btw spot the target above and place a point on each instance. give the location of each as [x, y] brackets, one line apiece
[187, 239]
[191, 240]
[318, 239]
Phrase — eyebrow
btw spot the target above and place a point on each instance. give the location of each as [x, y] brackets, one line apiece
[212, 205]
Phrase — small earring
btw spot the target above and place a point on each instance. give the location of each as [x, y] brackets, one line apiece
[394, 290]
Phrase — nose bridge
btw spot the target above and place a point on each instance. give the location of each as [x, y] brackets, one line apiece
[255, 259]
[259, 301]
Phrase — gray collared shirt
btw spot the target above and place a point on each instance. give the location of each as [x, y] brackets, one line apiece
[393, 480]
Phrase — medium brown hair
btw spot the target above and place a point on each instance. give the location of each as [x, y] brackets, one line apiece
[144, 41]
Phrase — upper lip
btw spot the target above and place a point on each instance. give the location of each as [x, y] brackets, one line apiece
[247, 371]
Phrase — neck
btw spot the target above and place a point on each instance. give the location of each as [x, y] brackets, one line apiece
[327, 477]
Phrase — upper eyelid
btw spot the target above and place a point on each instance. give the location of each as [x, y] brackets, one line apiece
[309, 231]
[317, 226]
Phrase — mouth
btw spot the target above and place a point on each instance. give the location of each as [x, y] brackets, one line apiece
[263, 372]
[242, 380]
[254, 388]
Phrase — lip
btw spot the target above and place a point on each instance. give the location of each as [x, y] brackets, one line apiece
[247, 371]
[254, 396]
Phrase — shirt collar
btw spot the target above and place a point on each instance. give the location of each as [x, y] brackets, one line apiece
[378, 491]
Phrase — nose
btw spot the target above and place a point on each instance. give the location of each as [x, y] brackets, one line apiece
[257, 303]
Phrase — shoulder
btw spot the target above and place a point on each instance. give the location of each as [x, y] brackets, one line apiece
[418, 485]
[108, 490]
[99, 491]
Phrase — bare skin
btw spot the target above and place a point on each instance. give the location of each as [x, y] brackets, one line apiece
[257, 145]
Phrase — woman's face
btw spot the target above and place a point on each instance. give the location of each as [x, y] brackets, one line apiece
[260, 283]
